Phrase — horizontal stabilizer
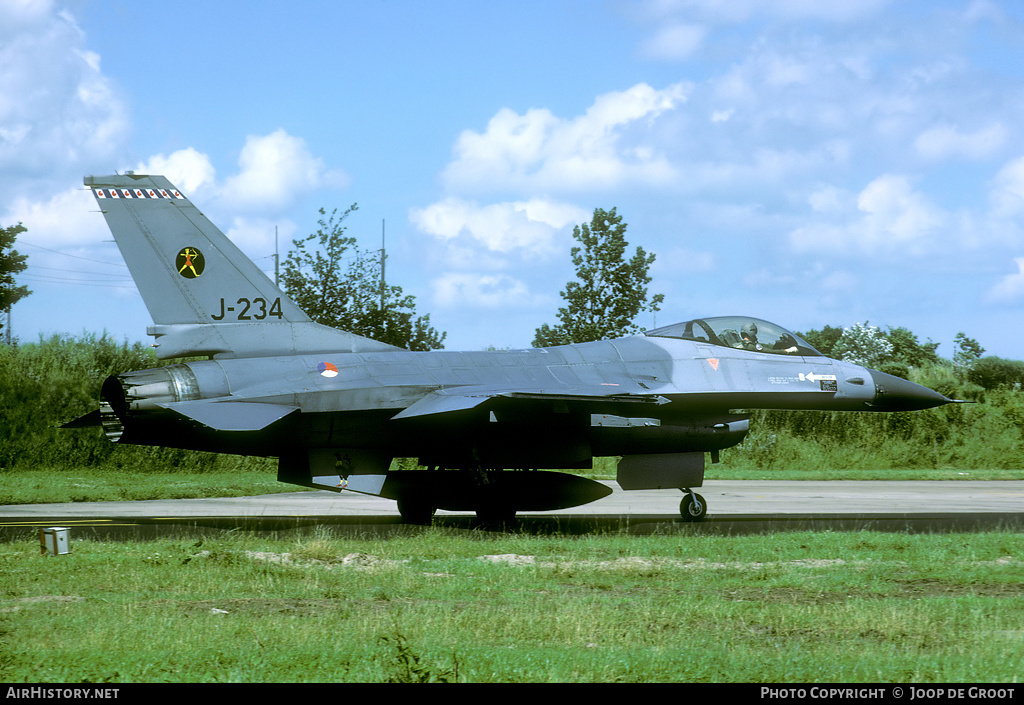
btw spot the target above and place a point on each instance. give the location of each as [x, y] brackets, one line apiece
[231, 415]
[363, 484]
[86, 421]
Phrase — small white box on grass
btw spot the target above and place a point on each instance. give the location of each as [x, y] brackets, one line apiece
[54, 541]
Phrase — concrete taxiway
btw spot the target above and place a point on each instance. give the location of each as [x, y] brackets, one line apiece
[734, 507]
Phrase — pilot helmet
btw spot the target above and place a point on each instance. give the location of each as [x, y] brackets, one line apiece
[749, 330]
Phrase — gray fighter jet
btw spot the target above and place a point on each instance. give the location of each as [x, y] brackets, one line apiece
[336, 408]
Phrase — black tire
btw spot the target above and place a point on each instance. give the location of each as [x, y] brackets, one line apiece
[416, 511]
[693, 507]
[496, 517]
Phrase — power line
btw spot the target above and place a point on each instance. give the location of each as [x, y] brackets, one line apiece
[80, 282]
[76, 271]
[67, 254]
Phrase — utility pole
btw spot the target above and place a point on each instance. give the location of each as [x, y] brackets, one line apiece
[383, 256]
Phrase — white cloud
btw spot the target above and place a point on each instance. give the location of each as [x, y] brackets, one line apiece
[189, 170]
[1009, 289]
[946, 142]
[980, 10]
[68, 218]
[673, 42]
[605, 147]
[835, 11]
[275, 170]
[528, 226]
[255, 237]
[830, 199]
[483, 291]
[736, 11]
[830, 289]
[60, 116]
[755, 169]
[1007, 193]
[16, 15]
[840, 282]
[781, 70]
[891, 216]
[894, 211]
[58, 112]
[614, 143]
[683, 262]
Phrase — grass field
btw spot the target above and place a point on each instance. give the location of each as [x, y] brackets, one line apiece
[107, 485]
[478, 607]
[448, 605]
[91, 484]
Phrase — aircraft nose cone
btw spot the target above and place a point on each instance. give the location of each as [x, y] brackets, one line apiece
[897, 394]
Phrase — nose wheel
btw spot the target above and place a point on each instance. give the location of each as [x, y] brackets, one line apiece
[693, 507]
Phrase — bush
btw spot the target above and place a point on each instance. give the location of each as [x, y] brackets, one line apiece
[58, 379]
[962, 436]
[995, 372]
[946, 380]
[896, 369]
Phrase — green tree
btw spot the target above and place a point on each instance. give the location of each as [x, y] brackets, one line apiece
[11, 263]
[823, 340]
[339, 285]
[908, 350]
[966, 352]
[610, 290]
[56, 379]
[994, 372]
[898, 347]
[863, 344]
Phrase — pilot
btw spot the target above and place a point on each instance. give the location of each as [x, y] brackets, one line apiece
[748, 334]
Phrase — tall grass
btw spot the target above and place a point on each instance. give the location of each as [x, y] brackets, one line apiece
[440, 606]
[58, 379]
[985, 434]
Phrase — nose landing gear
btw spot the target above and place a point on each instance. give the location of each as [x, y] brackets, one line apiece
[693, 507]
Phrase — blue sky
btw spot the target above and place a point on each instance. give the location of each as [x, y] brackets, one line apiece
[804, 162]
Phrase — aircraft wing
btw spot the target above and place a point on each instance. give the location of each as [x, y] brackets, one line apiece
[607, 397]
[231, 415]
[219, 415]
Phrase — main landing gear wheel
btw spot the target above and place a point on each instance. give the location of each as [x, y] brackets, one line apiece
[496, 517]
[693, 507]
[416, 511]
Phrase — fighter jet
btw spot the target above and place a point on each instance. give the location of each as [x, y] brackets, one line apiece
[487, 427]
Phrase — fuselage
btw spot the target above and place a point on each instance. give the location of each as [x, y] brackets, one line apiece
[546, 407]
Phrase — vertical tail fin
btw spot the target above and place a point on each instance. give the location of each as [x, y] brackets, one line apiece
[205, 296]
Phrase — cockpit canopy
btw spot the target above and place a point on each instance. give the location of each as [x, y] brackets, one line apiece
[739, 332]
